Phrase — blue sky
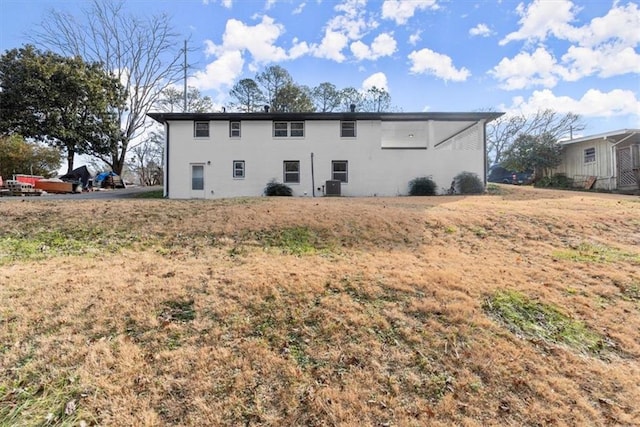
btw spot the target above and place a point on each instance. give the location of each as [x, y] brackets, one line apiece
[431, 55]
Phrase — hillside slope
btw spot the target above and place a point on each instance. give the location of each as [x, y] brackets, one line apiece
[514, 309]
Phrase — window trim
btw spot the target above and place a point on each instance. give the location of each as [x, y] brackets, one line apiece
[285, 172]
[342, 130]
[591, 157]
[301, 130]
[345, 172]
[193, 177]
[288, 131]
[235, 169]
[195, 129]
[231, 129]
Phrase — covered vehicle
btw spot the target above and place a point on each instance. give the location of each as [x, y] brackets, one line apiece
[497, 173]
[109, 179]
[80, 176]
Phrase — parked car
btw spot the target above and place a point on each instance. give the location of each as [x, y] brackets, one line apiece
[499, 174]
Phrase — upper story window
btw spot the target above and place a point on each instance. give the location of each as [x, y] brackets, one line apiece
[201, 129]
[288, 129]
[590, 155]
[348, 129]
[234, 129]
[340, 170]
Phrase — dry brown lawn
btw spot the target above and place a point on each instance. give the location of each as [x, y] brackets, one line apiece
[515, 309]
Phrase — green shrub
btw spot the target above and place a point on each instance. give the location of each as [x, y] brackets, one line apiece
[274, 188]
[468, 183]
[422, 186]
[556, 181]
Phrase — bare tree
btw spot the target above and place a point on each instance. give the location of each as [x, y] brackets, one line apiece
[172, 101]
[377, 100]
[351, 96]
[146, 159]
[247, 95]
[503, 132]
[145, 54]
[326, 97]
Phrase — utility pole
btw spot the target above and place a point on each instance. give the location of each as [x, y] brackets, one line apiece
[185, 77]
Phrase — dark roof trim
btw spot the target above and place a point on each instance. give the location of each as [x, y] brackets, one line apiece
[443, 116]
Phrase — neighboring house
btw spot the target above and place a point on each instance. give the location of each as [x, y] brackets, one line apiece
[212, 155]
[608, 158]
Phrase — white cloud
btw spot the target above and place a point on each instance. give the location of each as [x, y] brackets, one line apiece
[223, 71]
[607, 61]
[480, 30]
[541, 18]
[526, 70]
[225, 3]
[331, 46]
[415, 37]
[401, 10]
[383, 45]
[258, 39]
[620, 24]
[593, 103]
[426, 61]
[298, 10]
[378, 80]
[351, 23]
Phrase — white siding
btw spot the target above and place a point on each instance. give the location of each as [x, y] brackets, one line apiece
[574, 166]
[377, 166]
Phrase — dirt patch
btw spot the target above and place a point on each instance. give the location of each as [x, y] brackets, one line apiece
[321, 311]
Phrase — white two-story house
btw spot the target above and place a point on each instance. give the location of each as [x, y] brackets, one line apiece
[211, 155]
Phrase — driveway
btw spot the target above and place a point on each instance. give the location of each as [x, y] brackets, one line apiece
[118, 193]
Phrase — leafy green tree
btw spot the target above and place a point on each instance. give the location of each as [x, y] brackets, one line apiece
[272, 80]
[172, 101]
[64, 102]
[293, 98]
[540, 153]
[248, 97]
[326, 97]
[19, 156]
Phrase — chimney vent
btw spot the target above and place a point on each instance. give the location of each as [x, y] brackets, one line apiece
[353, 108]
[266, 108]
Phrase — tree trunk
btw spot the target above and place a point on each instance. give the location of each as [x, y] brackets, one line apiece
[70, 156]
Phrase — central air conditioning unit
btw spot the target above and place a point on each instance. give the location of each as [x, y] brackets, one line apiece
[332, 188]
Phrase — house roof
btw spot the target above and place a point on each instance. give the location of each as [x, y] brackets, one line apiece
[436, 116]
[614, 136]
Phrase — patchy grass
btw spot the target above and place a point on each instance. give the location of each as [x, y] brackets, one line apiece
[588, 252]
[536, 320]
[153, 194]
[320, 311]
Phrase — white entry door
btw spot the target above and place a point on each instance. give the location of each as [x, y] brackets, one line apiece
[197, 180]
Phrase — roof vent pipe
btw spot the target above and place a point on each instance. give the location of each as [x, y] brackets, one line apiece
[224, 109]
[353, 108]
[266, 108]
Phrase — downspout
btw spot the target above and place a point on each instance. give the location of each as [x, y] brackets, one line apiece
[166, 161]
[484, 150]
[313, 181]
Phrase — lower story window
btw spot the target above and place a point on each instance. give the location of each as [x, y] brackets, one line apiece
[291, 171]
[238, 168]
[339, 170]
[197, 177]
